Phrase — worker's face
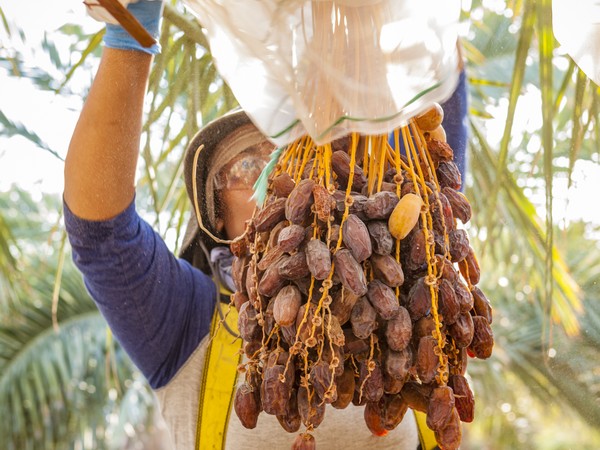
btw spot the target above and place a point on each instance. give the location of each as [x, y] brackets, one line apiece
[237, 208]
[235, 184]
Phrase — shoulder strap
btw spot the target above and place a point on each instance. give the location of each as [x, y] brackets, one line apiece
[218, 383]
[426, 435]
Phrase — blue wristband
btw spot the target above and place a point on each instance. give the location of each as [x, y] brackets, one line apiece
[148, 13]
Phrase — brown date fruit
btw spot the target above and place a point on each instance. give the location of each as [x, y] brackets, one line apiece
[363, 318]
[274, 393]
[439, 151]
[321, 378]
[312, 410]
[448, 305]
[391, 385]
[354, 345]
[239, 266]
[291, 237]
[465, 402]
[289, 334]
[334, 236]
[370, 384]
[247, 323]
[423, 327]
[269, 258]
[355, 236]
[356, 206]
[286, 305]
[383, 299]
[461, 208]
[380, 205]
[282, 185]
[387, 269]
[290, 421]
[439, 409]
[247, 405]
[305, 327]
[294, 267]
[304, 441]
[299, 202]
[463, 295]
[481, 304]
[342, 303]
[340, 163]
[419, 300]
[274, 233]
[416, 395]
[318, 259]
[238, 298]
[373, 418]
[459, 245]
[382, 241]
[469, 267]
[450, 436]
[398, 331]
[483, 338]
[417, 252]
[462, 330]
[345, 384]
[441, 213]
[271, 281]
[427, 360]
[324, 202]
[448, 175]
[350, 272]
[398, 364]
[270, 215]
[394, 409]
[446, 268]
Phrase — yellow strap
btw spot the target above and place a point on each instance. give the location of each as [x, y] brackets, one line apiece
[218, 384]
[426, 435]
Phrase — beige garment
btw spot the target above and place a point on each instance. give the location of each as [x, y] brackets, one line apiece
[341, 429]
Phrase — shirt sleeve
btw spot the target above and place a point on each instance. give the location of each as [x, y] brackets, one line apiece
[158, 307]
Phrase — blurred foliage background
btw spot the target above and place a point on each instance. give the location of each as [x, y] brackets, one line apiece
[534, 139]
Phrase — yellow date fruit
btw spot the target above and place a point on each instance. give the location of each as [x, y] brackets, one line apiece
[405, 215]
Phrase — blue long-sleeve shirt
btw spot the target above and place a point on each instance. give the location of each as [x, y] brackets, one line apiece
[158, 307]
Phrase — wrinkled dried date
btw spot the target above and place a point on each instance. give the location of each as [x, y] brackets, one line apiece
[463, 396]
[340, 163]
[270, 215]
[299, 202]
[318, 259]
[350, 272]
[483, 338]
[398, 331]
[286, 305]
[381, 238]
[387, 269]
[439, 410]
[380, 205]
[383, 299]
[291, 237]
[356, 238]
[363, 318]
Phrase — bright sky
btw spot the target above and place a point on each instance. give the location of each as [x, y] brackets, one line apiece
[53, 117]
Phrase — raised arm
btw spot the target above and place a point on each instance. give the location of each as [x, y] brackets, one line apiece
[102, 157]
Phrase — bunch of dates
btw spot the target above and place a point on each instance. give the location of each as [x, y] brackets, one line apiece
[351, 296]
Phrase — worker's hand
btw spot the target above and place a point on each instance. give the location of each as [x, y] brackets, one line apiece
[147, 12]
